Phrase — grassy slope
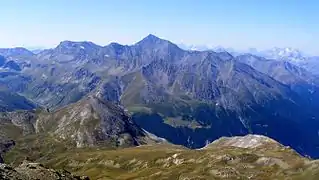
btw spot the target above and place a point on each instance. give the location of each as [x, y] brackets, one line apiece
[165, 161]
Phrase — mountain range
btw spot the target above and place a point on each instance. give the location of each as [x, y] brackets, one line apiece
[187, 97]
[289, 54]
[154, 110]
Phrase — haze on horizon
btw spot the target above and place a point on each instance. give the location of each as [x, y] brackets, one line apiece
[228, 23]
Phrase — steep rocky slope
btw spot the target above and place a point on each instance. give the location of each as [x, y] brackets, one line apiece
[91, 122]
[88, 122]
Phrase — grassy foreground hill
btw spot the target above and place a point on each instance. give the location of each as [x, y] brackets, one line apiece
[247, 157]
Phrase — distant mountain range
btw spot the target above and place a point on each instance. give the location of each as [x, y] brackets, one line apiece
[188, 97]
[294, 56]
[207, 48]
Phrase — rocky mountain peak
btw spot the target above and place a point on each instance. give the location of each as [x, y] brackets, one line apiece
[92, 121]
[151, 38]
[152, 41]
[225, 55]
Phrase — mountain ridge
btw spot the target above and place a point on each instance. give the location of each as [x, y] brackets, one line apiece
[162, 85]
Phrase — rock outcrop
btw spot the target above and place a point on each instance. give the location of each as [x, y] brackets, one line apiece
[35, 171]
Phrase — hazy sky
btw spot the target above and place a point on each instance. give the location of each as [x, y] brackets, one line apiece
[239, 24]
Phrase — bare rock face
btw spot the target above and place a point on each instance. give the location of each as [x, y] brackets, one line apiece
[33, 171]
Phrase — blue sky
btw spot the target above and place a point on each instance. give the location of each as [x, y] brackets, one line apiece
[239, 24]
